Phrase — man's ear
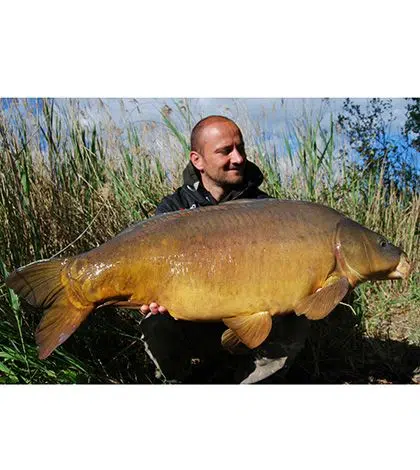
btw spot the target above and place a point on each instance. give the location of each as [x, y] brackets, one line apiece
[197, 160]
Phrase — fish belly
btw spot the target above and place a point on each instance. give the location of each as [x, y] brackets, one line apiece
[237, 282]
[208, 265]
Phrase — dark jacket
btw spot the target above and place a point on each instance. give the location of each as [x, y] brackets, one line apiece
[193, 194]
[176, 345]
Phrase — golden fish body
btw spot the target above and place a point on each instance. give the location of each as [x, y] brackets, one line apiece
[230, 259]
[240, 262]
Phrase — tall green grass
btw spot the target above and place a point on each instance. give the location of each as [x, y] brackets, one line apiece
[66, 187]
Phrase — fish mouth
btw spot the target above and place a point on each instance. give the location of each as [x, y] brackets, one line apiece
[402, 271]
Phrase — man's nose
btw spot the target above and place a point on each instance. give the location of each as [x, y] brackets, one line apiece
[237, 157]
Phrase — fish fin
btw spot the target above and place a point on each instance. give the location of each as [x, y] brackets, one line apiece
[39, 282]
[322, 302]
[230, 340]
[40, 285]
[252, 330]
[59, 322]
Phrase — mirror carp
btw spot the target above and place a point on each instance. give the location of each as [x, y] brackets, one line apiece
[241, 262]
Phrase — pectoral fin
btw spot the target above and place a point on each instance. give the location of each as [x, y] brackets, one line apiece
[252, 330]
[322, 302]
[230, 340]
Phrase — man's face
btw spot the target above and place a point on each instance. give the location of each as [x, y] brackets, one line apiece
[221, 156]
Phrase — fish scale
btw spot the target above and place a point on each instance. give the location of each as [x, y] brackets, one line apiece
[240, 262]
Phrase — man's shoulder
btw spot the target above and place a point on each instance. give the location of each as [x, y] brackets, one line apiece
[262, 195]
[170, 203]
[255, 193]
[186, 197]
[182, 198]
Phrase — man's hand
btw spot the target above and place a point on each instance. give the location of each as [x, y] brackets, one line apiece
[152, 309]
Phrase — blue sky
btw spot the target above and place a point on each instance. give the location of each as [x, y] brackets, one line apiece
[267, 112]
[273, 117]
[270, 114]
[272, 110]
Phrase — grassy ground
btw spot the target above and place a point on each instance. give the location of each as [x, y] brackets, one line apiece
[66, 187]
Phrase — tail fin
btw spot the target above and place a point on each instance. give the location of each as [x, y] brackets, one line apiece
[40, 284]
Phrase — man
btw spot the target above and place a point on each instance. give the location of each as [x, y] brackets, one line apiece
[218, 172]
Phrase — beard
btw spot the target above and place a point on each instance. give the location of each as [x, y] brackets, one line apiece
[231, 177]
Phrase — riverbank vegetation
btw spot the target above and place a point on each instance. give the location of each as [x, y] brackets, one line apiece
[69, 183]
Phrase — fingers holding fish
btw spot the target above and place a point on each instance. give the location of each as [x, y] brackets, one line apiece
[153, 309]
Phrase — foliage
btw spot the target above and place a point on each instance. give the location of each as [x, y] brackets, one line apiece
[381, 154]
[67, 186]
[412, 125]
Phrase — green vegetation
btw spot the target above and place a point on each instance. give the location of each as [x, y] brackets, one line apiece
[66, 187]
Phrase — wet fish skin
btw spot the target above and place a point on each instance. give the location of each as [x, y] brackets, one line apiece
[239, 262]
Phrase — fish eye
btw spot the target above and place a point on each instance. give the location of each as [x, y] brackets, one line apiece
[382, 242]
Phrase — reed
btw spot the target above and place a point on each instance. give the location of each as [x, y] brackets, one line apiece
[67, 186]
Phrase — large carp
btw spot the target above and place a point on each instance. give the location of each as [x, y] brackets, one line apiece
[240, 263]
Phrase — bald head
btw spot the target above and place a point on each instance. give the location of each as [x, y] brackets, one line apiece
[196, 133]
[218, 154]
